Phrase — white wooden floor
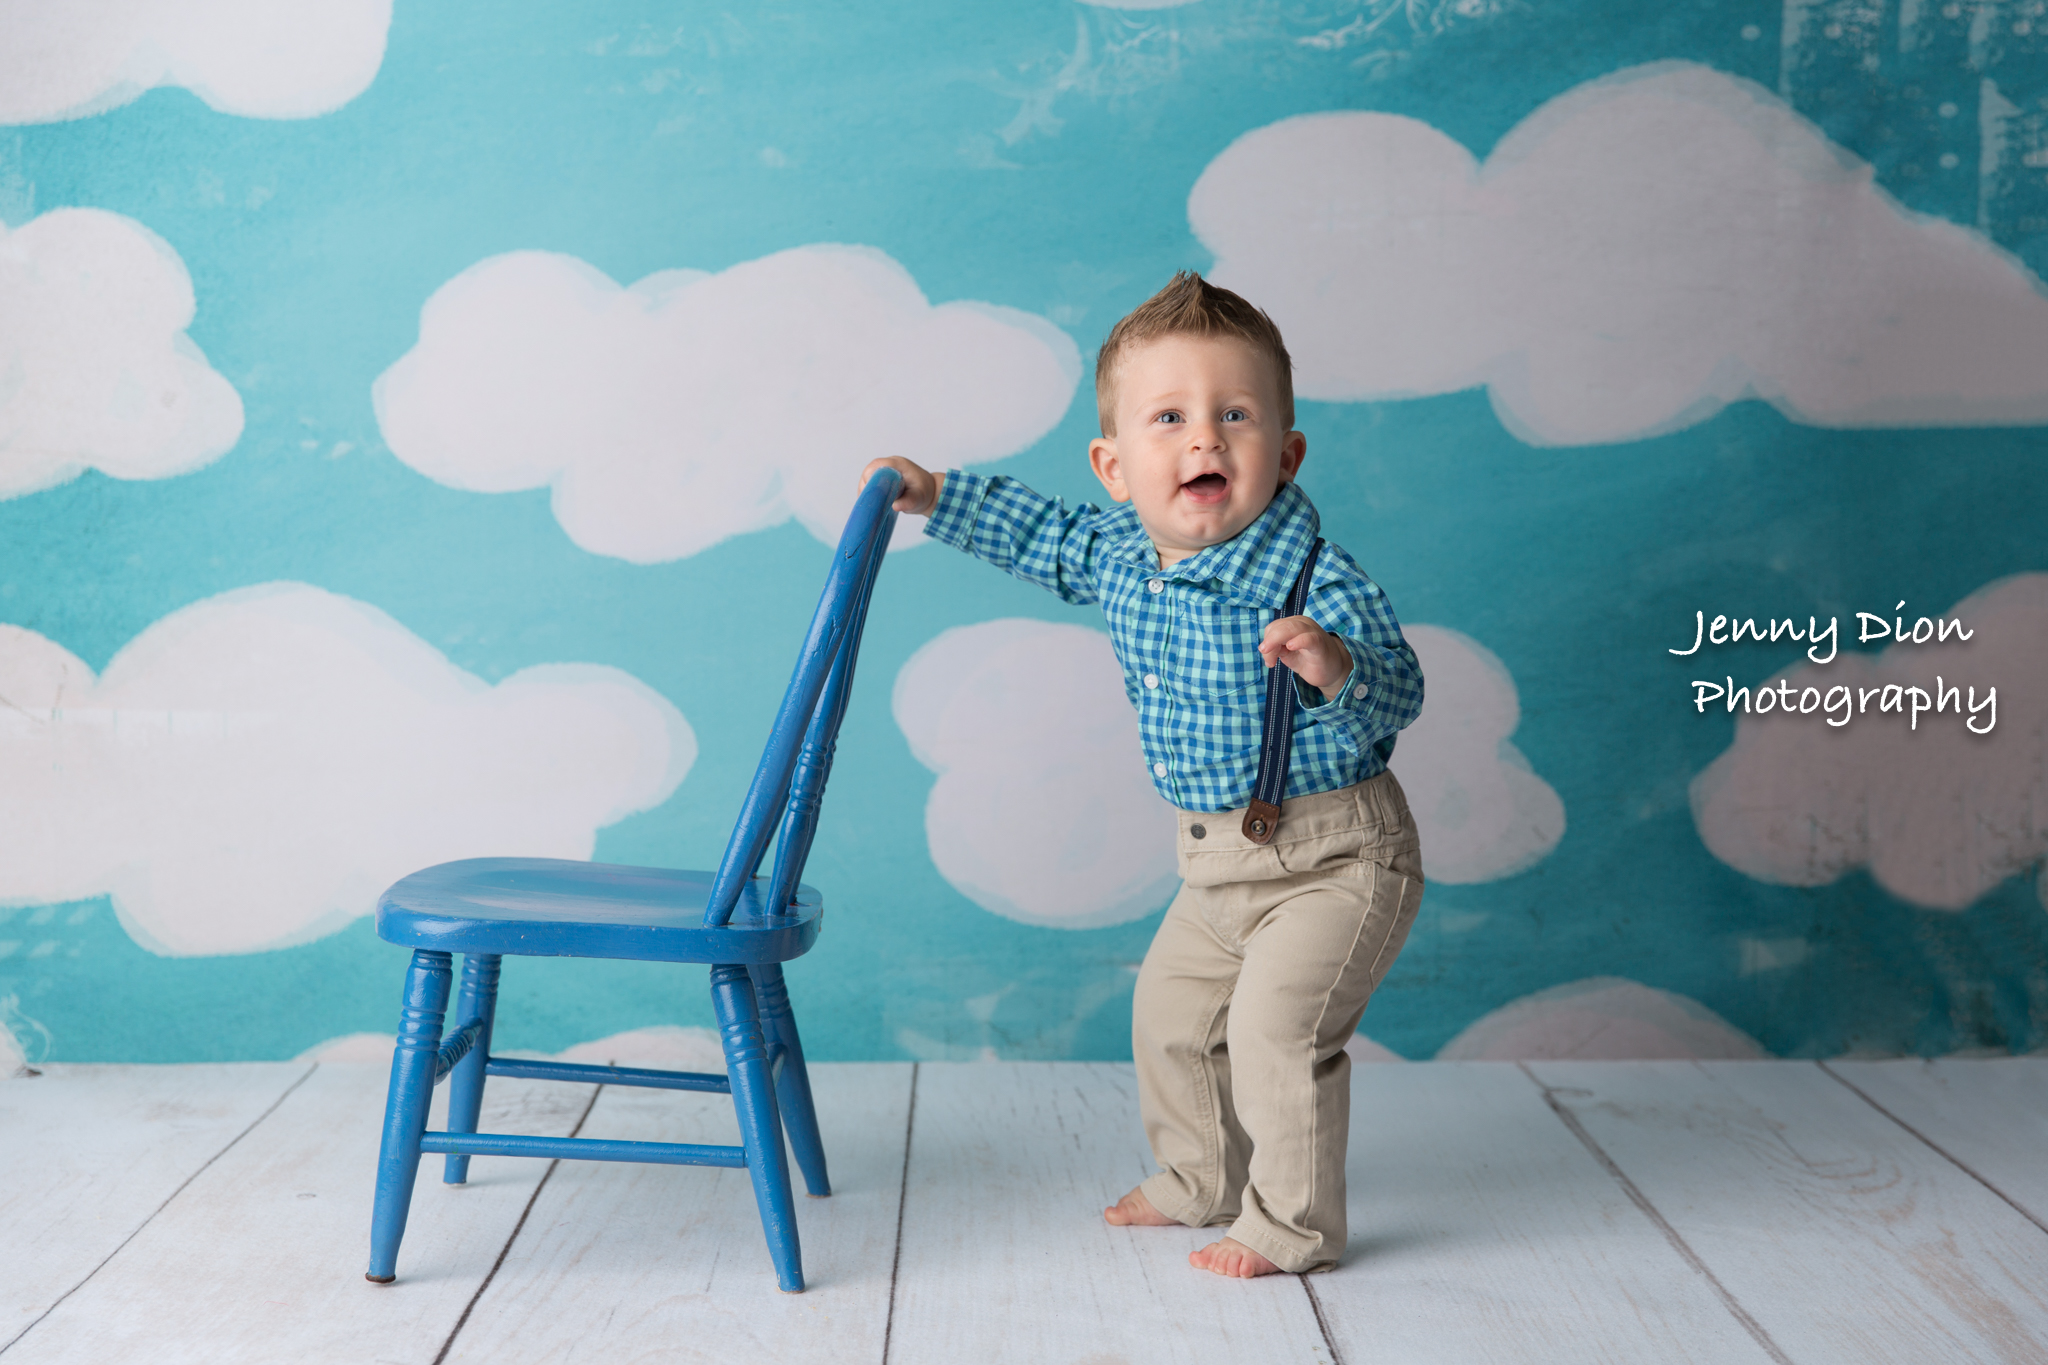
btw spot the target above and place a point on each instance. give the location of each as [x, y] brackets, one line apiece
[1554, 1212]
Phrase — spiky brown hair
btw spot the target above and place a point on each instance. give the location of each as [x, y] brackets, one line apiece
[1191, 306]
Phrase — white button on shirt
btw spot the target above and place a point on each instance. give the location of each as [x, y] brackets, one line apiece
[1151, 680]
[1157, 585]
[1358, 692]
[1159, 770]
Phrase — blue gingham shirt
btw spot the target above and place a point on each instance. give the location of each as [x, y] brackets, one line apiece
[1188, 636]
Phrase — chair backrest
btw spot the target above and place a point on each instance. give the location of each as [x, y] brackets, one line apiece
[789, 784]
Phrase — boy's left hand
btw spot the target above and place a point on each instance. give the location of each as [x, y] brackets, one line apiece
[1317, 657]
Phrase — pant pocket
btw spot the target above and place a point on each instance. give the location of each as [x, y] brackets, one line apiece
[1220, 866]
[1321, 852]
[1396, 899]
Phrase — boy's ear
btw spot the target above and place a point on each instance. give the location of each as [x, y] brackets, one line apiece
[1293, 451]
[1102, 459]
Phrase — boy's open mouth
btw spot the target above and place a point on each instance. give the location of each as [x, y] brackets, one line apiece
[1208, 487]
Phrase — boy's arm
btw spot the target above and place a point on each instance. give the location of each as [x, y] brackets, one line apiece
[999, 520]
[1383, 691]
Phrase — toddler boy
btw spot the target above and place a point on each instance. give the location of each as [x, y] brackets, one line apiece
[1267, 956]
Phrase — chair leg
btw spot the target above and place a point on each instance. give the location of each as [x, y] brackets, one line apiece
[478, 1000]
[405, 1107]
[792, 1082]
[753, 1096]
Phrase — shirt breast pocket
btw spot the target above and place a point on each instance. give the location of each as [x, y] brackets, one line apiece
[1217, 657]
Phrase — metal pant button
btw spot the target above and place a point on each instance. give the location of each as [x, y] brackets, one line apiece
[1198, 832]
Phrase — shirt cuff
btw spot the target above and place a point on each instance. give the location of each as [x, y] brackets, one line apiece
[952, 519]
[1349, 712]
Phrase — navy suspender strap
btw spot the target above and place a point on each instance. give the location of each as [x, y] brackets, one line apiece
[1276, 741]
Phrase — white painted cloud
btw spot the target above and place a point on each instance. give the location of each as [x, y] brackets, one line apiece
[687, 408]
[1363, 1049]
[1482, 811]
[256, 58]
[1938, 815]
[1603, 1018]
[1042, 811]
[1637, 253]
[96, 371]
[24, 1040]
[252, 770]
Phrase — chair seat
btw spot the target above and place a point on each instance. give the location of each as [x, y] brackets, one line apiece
[554, 907]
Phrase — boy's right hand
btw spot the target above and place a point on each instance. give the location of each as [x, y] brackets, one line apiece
[920, 486]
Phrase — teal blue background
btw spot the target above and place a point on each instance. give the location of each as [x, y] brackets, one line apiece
[312, 245]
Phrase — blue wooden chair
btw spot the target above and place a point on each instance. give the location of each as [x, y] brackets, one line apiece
[485, 908]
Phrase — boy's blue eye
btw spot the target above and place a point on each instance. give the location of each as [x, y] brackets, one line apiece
[1168, 417]
[1237, 415]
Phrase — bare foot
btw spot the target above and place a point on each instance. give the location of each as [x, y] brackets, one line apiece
[1232, 1257]
[1134, 1210]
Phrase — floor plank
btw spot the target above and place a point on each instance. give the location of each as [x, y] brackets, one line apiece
[1005, 1256]
[260, 1258]
[1482, 1230]
[1990, 1114]
[92, 1151]
[623, 1263]
[1845, 1236]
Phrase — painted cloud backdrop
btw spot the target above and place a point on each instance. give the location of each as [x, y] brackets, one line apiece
[355, 264]
[96, 371]
[1482, 812]
[1938, 815]
[251, 771]
[690, 407]
[248, 57]
[1042, 811]
[1603, 1018]
[1636, 254]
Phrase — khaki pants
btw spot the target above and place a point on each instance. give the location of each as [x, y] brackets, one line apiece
[1249, 992]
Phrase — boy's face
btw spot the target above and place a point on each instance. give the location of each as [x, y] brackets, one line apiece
[1200, 448]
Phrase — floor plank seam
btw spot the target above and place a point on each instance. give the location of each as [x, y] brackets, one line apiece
[1942, 1151]
[1322, 1323]
[137, 1230]
[1641, 1201]
[902, 1199]
[506, 1249]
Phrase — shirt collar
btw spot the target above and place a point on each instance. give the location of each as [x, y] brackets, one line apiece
[1255, 568]
[1126, 538]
